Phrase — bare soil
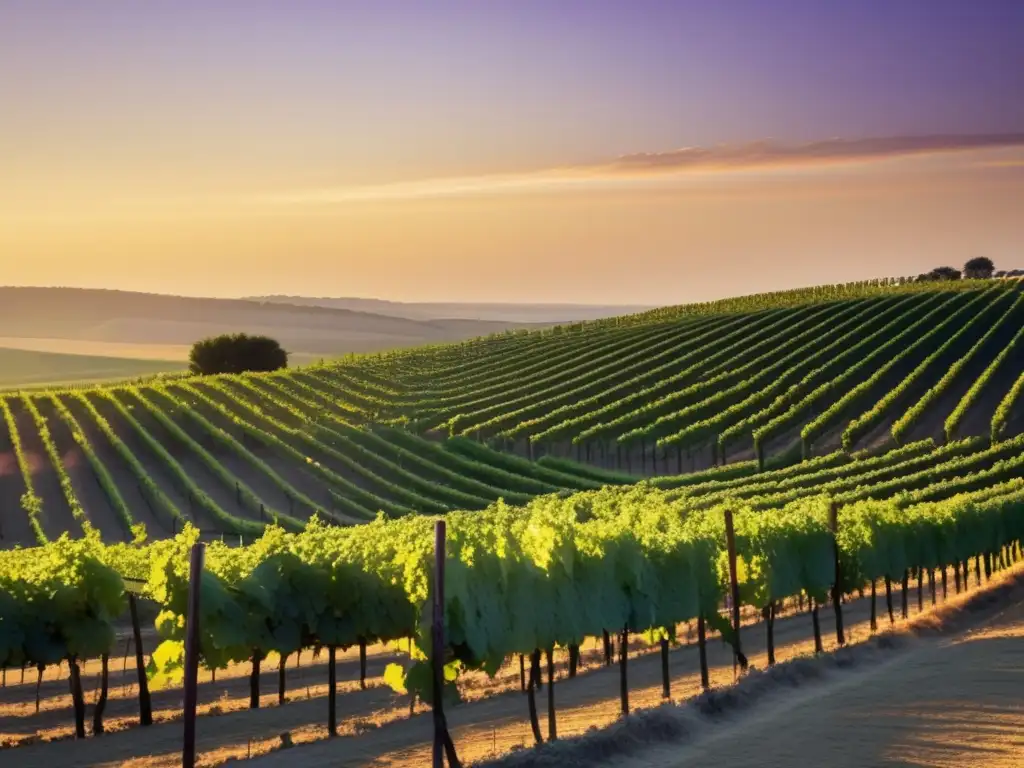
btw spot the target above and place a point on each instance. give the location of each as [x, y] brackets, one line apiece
[204, 478]
[56, 517]
[945, 702]
[88, 491]
[14, 525]
[154, 465]
[123, 477]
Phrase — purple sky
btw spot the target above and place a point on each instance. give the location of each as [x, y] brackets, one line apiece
[114, 100]
[423, 86]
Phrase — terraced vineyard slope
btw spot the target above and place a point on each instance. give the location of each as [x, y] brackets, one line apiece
[747, 384]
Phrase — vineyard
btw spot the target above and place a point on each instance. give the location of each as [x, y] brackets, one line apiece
[617, 479]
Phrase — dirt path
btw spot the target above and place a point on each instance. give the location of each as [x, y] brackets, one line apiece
[87, 488]
[951, 702]
[56, 517]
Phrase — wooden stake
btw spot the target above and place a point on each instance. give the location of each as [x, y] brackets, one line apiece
[332, 690]
[874, 609]
[623, 684]
[362, 663]
[666, 692]
[702, 647]
[188, 750]
[552, 727]
[77, 697]
[443, 746]
[837, 585]
[145, 703]
[888, 599]
[254, 680]
[531, 696]
[101, 703]
[817, 626]
[734, 589]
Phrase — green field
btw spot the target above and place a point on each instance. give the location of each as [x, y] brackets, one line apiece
[20, 368]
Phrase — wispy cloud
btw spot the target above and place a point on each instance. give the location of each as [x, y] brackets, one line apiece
[768, 152]
[647, 167]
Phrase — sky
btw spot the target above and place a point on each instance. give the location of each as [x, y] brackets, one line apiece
[635, 152]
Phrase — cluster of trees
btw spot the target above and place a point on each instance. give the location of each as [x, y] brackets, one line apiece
[980, 268]
[236, 353]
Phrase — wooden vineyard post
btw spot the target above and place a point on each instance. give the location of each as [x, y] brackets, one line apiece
[443, 745]
[332, 690]
[920, 590]
[666, 691]
[77, 697]
[362, 663]
[888, 599]
[101, 702]
[904, 586]
[188, 750]
[874, 608]
[623, 681]
[552, 727]
[837, 585]
[702, 647]
[531, 695]
[254, 679]
[145, 704]
[281, 682]
[734, 591]
[817, 626]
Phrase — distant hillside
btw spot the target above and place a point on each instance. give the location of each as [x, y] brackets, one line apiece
[30, 369]
[72, 320]
[515, 313]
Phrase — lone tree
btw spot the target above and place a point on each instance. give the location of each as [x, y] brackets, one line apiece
[944, 273]
[980, 268]
[236, 353]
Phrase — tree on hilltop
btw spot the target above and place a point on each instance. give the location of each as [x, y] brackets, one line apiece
[236, 353]
[944, 273]
[980, 268]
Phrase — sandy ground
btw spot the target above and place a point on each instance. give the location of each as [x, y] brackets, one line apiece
[953, 702]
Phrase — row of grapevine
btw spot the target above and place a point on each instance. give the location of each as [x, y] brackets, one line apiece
[948, 355]
[712, 374]
[758, 380]
[516, 580]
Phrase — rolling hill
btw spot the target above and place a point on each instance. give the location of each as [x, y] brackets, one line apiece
[730, 388]
[154, 326]
[593, 478]
[497, 312]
